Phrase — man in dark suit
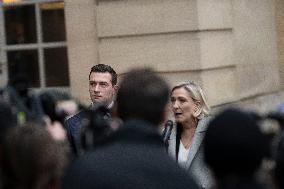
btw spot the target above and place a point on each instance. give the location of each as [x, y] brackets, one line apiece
[134, 156]
[102, 89]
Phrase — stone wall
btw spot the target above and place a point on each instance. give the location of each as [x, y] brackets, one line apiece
[82, 44]
[227, 46]
[280, 38]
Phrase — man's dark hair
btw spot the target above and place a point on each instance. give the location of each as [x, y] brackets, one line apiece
[142, 95]
[102, 68]
[31, 158]
[234, 144]
[279, 167]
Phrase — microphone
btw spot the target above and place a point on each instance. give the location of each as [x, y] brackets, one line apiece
[168, 130]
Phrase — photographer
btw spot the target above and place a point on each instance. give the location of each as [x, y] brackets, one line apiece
[54, 107]
[23, 103]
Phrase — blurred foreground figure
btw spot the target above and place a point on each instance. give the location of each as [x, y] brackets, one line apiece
[55, 107]
[23, 103]
[279, 169]
[7, 121]
[279, 151]
[133, 157]
[234, 148]
[32, 159]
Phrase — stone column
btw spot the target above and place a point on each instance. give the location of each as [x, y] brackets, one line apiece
[82, 44]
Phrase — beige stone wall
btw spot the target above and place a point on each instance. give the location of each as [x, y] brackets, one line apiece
[227, 46]
[82, 44]
[255, 49]
[280, 38]
[181, 39]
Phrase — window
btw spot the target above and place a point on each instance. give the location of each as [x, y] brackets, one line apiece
[34, 41]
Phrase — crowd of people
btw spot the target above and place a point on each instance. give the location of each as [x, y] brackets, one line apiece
[50, 141]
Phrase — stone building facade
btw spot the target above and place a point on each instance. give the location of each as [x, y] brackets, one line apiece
[233, 48]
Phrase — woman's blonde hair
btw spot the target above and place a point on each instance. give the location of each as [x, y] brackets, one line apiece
[197, 94]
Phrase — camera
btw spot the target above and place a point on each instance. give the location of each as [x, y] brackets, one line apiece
[97, 126]
[36, 107]
[56, 105]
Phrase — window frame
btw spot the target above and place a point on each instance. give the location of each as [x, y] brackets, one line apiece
[40, 45]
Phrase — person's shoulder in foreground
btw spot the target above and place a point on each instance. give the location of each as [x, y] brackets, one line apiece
[134, 157]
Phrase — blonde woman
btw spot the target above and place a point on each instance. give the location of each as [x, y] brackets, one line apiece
[191, 112]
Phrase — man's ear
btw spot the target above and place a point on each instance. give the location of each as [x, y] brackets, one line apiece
[115, 88]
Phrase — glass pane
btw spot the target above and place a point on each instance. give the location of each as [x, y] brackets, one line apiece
[20, 25]
[53, 21]
[56, 67]
[24, 62]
